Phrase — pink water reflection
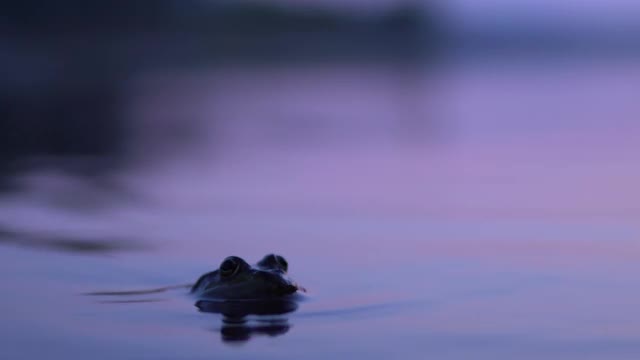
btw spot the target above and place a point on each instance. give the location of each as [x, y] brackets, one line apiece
[506, 219]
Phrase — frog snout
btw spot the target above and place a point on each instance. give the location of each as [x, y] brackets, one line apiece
[279, 285]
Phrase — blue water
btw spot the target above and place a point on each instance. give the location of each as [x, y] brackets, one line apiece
[510, 233]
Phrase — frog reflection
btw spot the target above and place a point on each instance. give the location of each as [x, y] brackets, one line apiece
[238, 330]
[237, 326]
[237, 290]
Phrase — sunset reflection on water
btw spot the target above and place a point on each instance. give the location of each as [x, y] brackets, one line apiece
[501, 222]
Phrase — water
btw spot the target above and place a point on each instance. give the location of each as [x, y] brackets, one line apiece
[484, 212]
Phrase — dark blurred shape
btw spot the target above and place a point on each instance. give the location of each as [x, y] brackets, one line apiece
[66, 63]
[235, 326]
[68, 244]
[239, 330]
[276, 33]
[63, 75]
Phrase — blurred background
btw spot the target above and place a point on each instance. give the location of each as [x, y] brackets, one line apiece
[501, 134]
[398, 106]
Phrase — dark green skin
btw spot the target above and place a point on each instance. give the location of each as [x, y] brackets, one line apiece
[237, 280]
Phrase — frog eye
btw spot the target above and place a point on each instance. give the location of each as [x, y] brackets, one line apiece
[282, 262]
[273, 261]
[230, 266]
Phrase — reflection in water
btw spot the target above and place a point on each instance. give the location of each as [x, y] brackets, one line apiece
[236, 330]
[60, 188]
[236, 326]
[436, 204]
[68, 243]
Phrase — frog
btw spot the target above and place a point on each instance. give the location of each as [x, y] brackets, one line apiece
[235, 290]
[235, 279]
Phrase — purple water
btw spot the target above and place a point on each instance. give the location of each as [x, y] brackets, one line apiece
[484, 211]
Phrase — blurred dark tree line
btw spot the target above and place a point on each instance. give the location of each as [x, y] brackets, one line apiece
[65, 63]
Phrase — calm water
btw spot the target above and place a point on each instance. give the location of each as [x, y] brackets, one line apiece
[475, 212]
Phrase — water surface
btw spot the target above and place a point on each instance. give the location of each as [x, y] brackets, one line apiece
[484, 212]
